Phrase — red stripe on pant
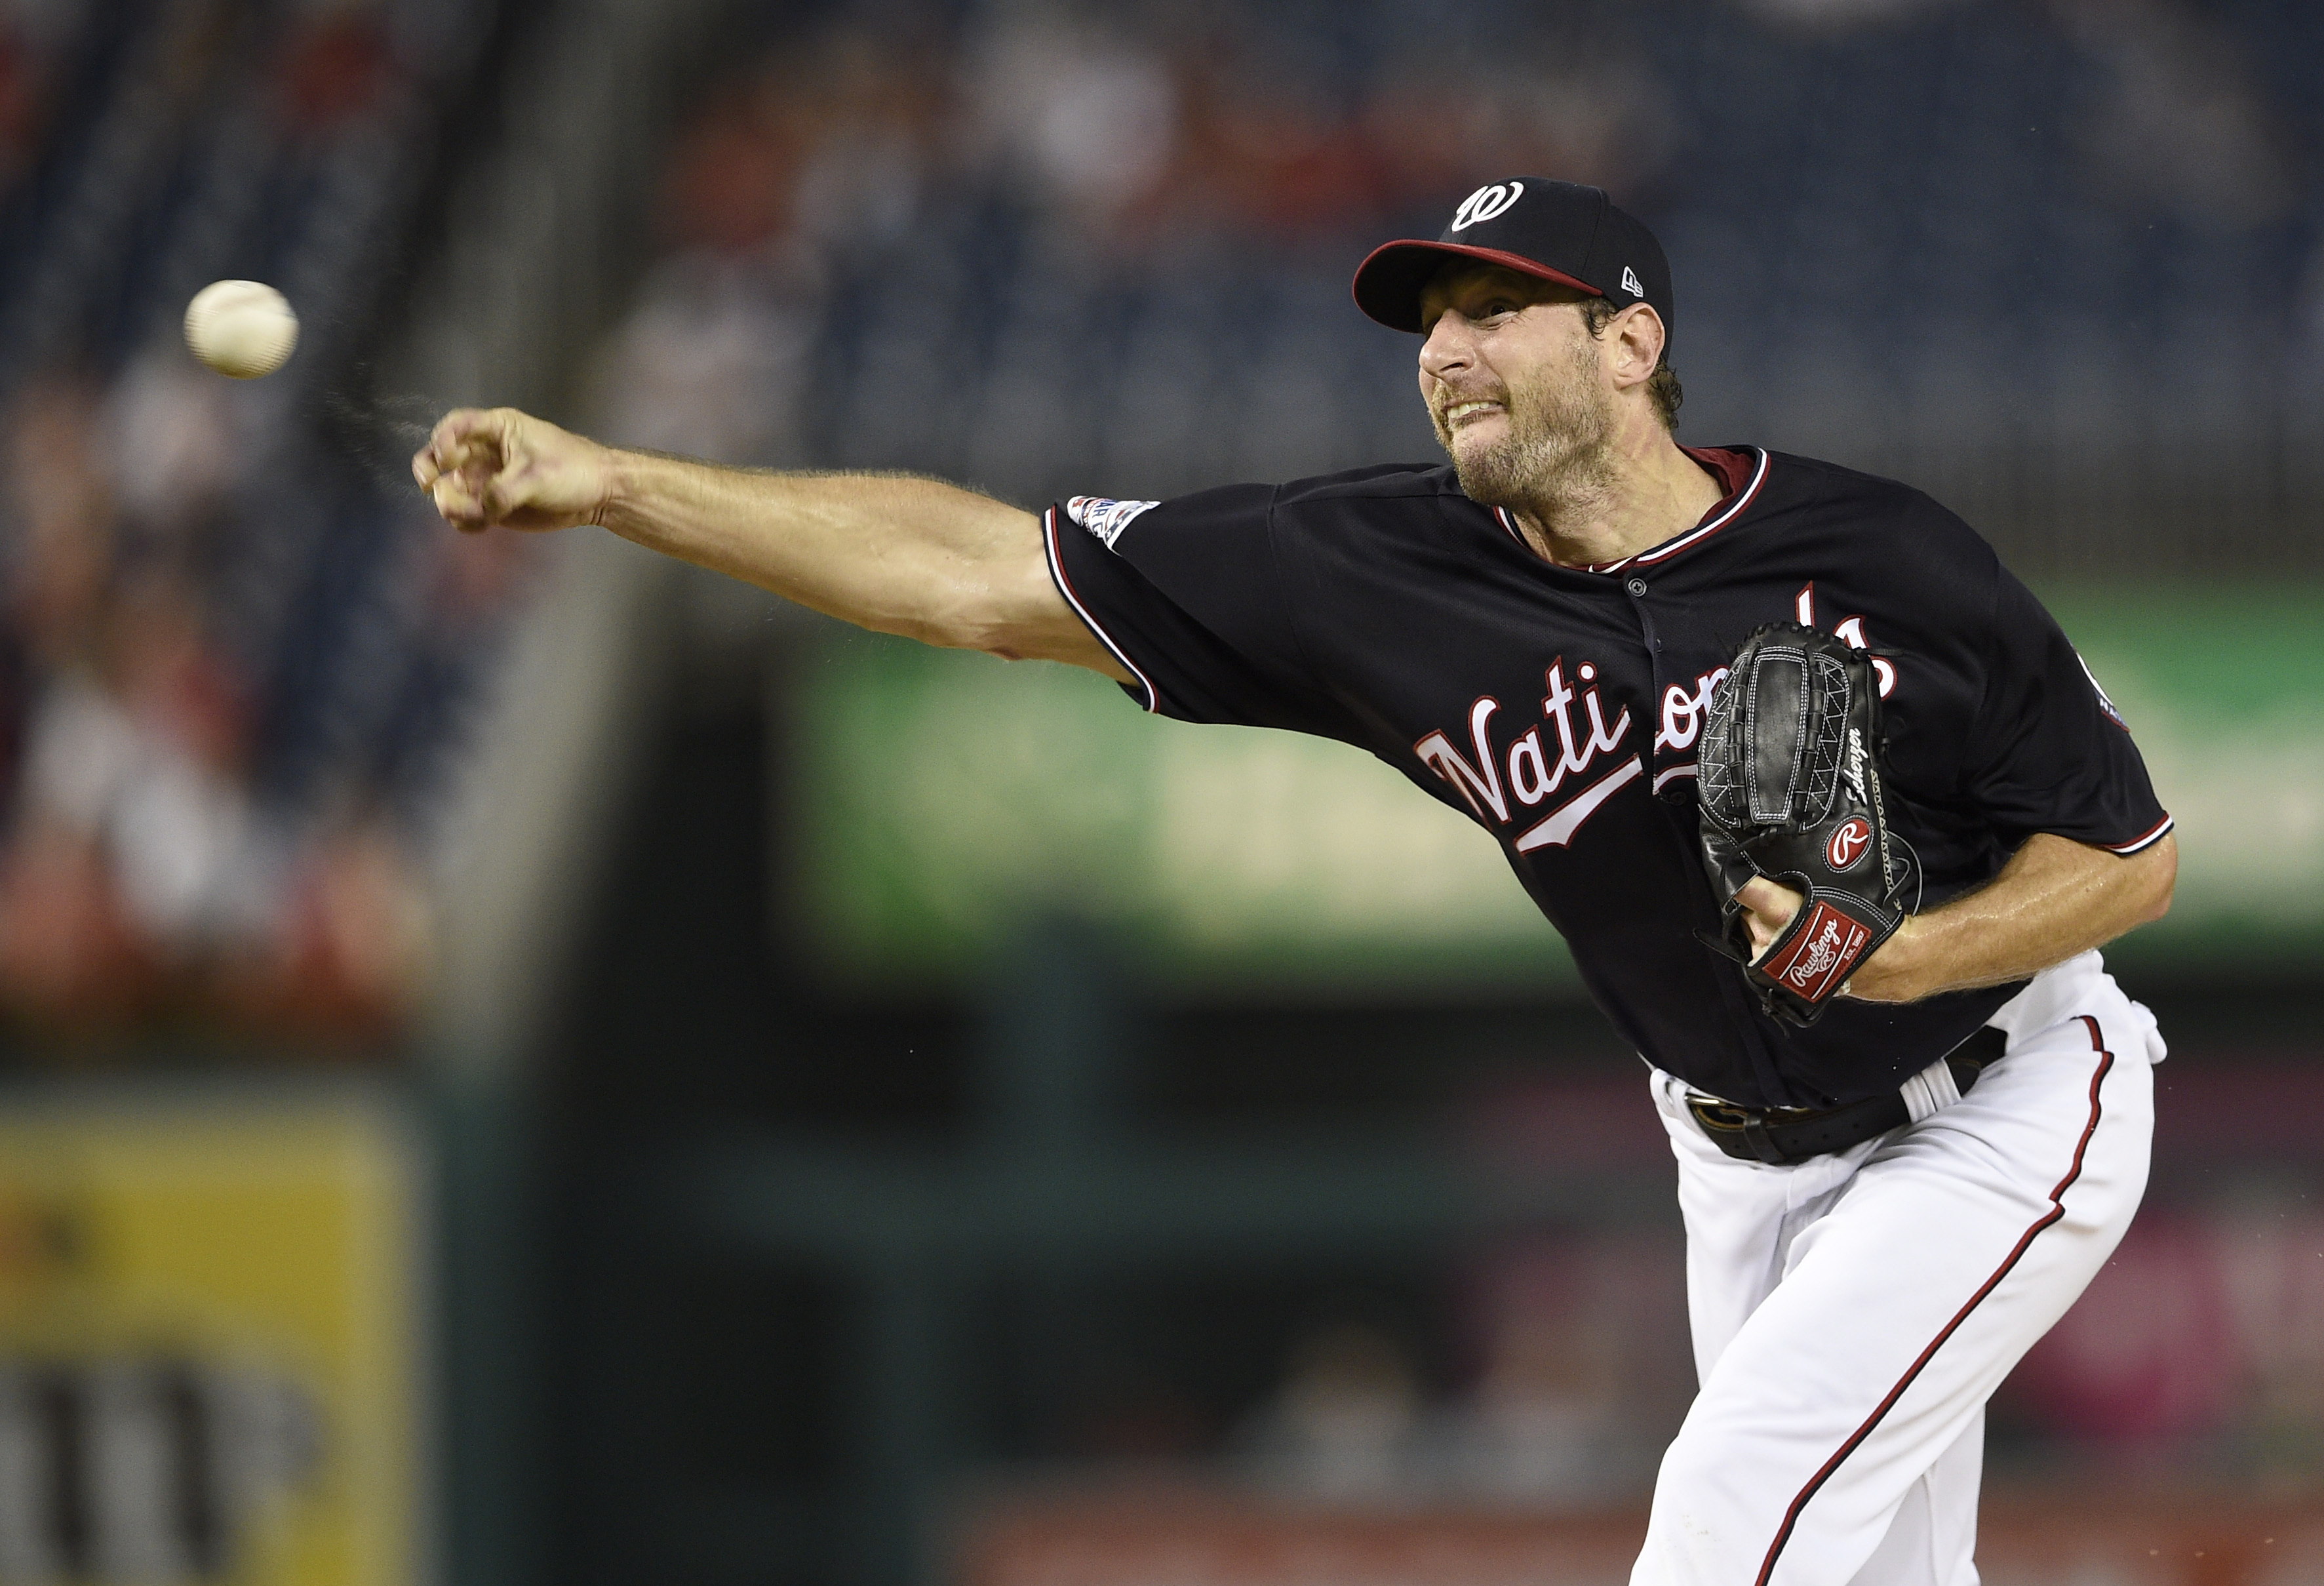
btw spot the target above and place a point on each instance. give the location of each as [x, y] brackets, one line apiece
[2057, 1209]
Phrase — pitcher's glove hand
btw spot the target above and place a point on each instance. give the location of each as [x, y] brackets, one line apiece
[1789, 779]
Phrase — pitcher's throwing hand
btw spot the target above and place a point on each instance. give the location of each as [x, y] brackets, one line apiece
[486, 467]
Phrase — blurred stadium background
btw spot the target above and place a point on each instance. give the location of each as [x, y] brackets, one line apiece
[525, 1063]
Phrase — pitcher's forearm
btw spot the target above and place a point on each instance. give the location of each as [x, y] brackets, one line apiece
[895, 552]
[2054, 899]
[904, 554]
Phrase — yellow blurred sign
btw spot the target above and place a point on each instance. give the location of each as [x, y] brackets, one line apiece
[208, 1341]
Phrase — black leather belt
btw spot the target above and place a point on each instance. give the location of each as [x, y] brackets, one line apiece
[1781, 1136]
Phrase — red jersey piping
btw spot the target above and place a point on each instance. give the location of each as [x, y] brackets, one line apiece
[1701, 531]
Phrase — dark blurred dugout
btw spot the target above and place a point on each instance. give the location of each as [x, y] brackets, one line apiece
[802, 1108]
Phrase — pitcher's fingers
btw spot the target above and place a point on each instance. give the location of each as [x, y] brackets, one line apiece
[441, 439]
[1772, 899]
[515, 484]
[1768, 908]
[444, 493]
[464, 434]
[455, 503]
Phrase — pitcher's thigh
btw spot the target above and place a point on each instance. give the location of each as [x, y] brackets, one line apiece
[1952, 1250]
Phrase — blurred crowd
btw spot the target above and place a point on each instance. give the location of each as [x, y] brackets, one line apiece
[153, 873]
[1036, 243]
[1093, 142]
[1133, 128]
[229, 659]
[1041, 246]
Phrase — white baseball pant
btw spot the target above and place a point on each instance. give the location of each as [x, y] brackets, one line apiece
[1853, 1313]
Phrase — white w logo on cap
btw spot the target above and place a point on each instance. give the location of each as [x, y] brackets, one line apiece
[1487, 202]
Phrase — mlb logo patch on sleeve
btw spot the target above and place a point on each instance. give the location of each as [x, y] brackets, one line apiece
[1105, 517]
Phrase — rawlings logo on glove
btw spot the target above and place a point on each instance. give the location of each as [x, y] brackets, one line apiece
[1791, 791]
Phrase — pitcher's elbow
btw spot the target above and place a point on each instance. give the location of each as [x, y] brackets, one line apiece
[2164, 881]
[966, 628]
[948, 617]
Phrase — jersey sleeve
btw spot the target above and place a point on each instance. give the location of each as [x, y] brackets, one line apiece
[1186, 595]
[2049, 752]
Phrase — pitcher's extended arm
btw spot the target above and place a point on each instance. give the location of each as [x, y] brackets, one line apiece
[898, 553]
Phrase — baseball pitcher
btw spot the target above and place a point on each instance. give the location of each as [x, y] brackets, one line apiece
[1829, 810]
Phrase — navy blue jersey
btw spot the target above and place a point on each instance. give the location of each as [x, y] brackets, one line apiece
[1560, 707]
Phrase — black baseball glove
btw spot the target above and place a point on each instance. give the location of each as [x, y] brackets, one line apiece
[1789, 778]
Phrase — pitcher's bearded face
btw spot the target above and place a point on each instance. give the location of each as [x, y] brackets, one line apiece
[1535, 433]
[1517, 387]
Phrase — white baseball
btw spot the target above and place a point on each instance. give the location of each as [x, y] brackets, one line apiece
[244, 328]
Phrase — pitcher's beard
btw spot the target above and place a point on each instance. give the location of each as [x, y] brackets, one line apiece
[1559, 448]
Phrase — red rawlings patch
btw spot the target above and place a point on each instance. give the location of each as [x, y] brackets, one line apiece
[1848, 843]
[1818, 958]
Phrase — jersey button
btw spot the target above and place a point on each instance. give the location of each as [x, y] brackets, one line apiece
[1637, 586]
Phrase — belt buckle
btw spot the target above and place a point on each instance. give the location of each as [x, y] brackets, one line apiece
[1717, 1117]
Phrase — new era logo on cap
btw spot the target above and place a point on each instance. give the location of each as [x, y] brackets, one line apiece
[1559, 231]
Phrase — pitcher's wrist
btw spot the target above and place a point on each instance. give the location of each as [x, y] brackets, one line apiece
[1898, 970]
[616, 485]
